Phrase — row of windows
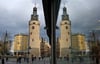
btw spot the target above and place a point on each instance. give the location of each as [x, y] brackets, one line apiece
[33, 40]
[34, 27]
[34, 23]
[31, 33]
[65, 23]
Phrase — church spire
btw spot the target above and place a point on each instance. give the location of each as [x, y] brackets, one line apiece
[65, 16]
[34, 16]
[6, 36]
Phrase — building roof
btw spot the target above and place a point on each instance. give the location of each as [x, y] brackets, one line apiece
[78, 34]
[21, 34]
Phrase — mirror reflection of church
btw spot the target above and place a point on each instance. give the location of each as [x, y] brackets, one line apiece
[64, 41]
[38, 46]
[34, 34]
[36, 43]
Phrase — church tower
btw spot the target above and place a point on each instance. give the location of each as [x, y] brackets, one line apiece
[34, 34]
[65, 34]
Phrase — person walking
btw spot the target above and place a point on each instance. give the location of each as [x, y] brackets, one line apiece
[32, 58]
[3, 61]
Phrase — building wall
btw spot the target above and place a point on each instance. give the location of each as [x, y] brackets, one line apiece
[65, 39]
[45, 49]
[34, 38]
[78, 42]
[42, 47]
[20, 43]
[58, 48]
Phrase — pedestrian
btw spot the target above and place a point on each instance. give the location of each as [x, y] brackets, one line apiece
[67, 57]
[97, 61]
[80, 58]
[27, 60]
[6, 59]
[35, 57]
[19, 59]
[0, 57]
[72, 59]
[32, 57]
[25, 57]
[42, 57]
[39, 58]
[3, 61]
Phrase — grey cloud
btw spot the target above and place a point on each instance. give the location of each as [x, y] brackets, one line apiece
[84, 14]
[15, 15]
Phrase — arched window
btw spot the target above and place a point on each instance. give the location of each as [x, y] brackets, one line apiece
[66, 27]
[66, 39]
[33, 22]
[65, 22]
[32, 27]
[30, 33]
[32, 39]
[68, 33]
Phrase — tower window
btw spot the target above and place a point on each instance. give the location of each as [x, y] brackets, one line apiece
[82, 43]
[30, 33]
[68, 33]
[32, 39]
[18, 42]
[66, 27]
[65, 22]
[32, 27]
[66, 39]
[33, 22]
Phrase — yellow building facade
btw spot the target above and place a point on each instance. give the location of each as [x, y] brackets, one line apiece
[21, 43]
[78, 42]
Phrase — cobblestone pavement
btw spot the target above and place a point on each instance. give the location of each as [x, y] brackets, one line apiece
[47, 61]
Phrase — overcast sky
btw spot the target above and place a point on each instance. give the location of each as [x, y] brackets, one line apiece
[15, 15]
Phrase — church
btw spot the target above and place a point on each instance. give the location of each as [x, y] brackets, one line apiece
[64, 40]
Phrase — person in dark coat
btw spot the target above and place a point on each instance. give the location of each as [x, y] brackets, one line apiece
[3, 61]
[32, 57]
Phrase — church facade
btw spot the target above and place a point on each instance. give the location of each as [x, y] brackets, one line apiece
[65, 35]
[34, 34]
